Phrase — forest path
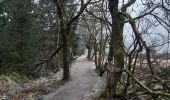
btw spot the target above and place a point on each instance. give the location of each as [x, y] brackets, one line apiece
[83, 80]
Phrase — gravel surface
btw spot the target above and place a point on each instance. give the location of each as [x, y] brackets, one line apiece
[83, 80]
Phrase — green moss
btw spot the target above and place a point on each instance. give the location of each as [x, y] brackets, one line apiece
[166, 98]
[18, 77]
[14, 77]
[5, 82]
[103, 95]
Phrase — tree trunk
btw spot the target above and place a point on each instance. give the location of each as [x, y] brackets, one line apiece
[65, 32]
[113, 8]
[100, 57]
[95, 55]
[115, 51]
[89, 53]
[66, 60]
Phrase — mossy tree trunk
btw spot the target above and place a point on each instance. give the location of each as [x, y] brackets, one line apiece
[115, 51]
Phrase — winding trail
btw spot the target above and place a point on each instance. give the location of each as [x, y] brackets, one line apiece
[83, 80]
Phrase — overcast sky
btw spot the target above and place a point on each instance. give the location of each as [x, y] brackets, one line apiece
[156, 32]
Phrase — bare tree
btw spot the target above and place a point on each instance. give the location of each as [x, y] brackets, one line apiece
[67, 22]
[116, 63]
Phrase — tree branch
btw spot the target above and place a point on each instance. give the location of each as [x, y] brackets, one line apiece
[47, 60]
[145, 87]
[103, 20]
[82, 8]
[125, 6]
[140, 40]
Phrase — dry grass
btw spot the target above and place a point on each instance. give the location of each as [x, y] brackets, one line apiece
[28, 91]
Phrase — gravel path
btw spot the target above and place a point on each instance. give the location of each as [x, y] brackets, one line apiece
[83, 80]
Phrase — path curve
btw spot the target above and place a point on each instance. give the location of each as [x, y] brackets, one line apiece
[83, 80]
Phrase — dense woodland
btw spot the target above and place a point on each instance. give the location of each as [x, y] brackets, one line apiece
[127, 39]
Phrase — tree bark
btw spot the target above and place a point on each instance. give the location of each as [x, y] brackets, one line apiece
[89, 52]
[115, 50]
[65, 33]
[66, 60]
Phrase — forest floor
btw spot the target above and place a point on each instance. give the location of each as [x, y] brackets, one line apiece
[84, 84]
